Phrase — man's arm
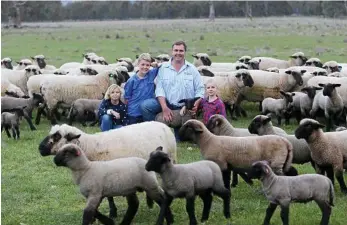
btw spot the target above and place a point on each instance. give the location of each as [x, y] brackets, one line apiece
[160, 94]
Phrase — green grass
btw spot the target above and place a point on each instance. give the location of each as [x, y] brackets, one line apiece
[34, 191]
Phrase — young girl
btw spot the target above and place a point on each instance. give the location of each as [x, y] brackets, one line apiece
[212, 104]
[139, 88]
[112, 111]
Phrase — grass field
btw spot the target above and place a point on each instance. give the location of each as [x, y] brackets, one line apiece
[34, 191]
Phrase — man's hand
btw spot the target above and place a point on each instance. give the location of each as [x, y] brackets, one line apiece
[167, 114]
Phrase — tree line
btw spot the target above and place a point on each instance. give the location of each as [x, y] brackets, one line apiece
[32, 11]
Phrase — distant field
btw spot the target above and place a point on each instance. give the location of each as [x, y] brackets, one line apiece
[36, 192]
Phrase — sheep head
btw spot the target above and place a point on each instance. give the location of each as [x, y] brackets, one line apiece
[320, 72]
[257, 124]
[297, 75]
[311, 91]
[331, 66]
[260, 169]
[244, 59]
[298, 58]
[201, 59]
[314, 62]
[189, 103]
[204, 71]
[40, 60]
[157, 160]
[254, 64]
[329, 88]
[191, 130]
[307, 128]
[23, 63]
[90, 71]
[215, 123]
[246, 77]
[6, 63]
[240, 66]
[67, 154]
[32, 70]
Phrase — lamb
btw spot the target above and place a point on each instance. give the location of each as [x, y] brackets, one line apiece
[80, 107]
[22, 64]
[331, 66]
[162, 58]
[278, 106]
[188, 180]
[7, 86]
[86, 61]
[238, 153]
[129, 63]
[281, 190]
[297, 59]
[328, 150]
[314, 62]
[201, 59]
[39, 60]
[118, 177]
[244, 59]
[6, 63]
[330, 102]
[10, 120]
[262, 125]
[21, 77]
[99, 60]
[9, 103]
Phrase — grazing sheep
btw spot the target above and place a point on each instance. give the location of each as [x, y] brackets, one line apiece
[80, 107]
[297, 59]
[330, 102]
[238, 153]
[118, 177]
[281, 190]
[314, 62]
[22, 64]
[7, 86]
[331, 66]
[10, 120]
[39, 60]
[328, 150]
[262, 125]
[188, 180]
[277, 106]
[6, 63]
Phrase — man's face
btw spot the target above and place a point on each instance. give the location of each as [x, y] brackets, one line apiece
[178, 52]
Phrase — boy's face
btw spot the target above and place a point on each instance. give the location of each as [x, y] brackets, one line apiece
[144, 66]
[211, 89]
[115, 94]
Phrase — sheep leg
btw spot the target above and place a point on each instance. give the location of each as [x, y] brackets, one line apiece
[226, 178]
[246, 178]
[133, 205]
[225, 195]
[339, 178]
[279, 118]
[90, 210]
[260, 106]
[52, 115]
[17, 131]
[330, 173]
[113, 208]
[269, 212]
[103, 219]
[14, 133]
[326, 211]
[207, 199]
[7, 132]
[235, 179]
[28, 119]
[190, 208]
[285, 214]
[163, 208]
[40, 111]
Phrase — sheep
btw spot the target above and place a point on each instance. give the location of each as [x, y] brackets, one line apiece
[201, 59]
[330, 102]
[22, 64]
[238, 153]
[297, 59]
[261, 125]
[60, 72]
[87, 57]
[188, 180]
[98, 60]
[328, 150]
[117, 177]
[20, 77]
[66, 89]
[6, 63]
[39, 60]
[86, 61]
[314, 62]
[337, 74]
[162, 58]
[8, 103]
[244, 59]
[7, 86]
[273, 70]
[278, 106]
[331, 66]
[10, 120]
[129, 65]
[281, 190]
[80, 107]
[113, 144]
[340, 129]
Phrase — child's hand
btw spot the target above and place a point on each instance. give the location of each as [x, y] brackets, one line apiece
[115, 114]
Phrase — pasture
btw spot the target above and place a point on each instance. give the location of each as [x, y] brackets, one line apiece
[34, 191]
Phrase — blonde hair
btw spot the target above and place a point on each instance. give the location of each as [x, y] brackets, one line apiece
[110, 89]
[210, 81]
[146, 57]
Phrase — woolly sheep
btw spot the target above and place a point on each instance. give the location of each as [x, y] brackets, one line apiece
[10, 120]
[98, 60]
[20, 77]
[99, 179]
[244, 59]
[273, 70]
[7, 86]
[87, 57]
[80, 107]
[297, 59]
[337, 74]
[22, 64]
[340, 129]
[86, 61]
[6, 63]
[281, 190]
[188, 180]
[331, 66]
[201, 59]
[328, 150]
[314, 62]
[278, 106]
[238, 153]
[162, 58]
[330, 102]
[39, 60]
[262, 125]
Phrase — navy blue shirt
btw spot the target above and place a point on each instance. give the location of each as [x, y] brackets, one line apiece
[139, 89]
[120, 108]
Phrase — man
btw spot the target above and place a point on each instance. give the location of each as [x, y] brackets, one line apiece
[177, 79]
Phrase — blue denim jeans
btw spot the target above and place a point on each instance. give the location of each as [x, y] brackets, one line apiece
[108, 124]
[151, 107]
[134, 119]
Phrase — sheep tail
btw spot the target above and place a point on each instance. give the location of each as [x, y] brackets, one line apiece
[288, 163]
[331, 194]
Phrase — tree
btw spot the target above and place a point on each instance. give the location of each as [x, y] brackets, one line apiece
[212, 12]
[14, 15]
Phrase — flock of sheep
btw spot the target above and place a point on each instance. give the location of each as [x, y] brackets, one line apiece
[299, 87]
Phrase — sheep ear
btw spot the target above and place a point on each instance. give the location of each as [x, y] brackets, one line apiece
[70, 136]
[303, 58]
[303, 71]
[160, 148]
[195, 56]
[282, 93]
[337, 85]
[293, 94]
[288, 72]
[318, 88]
[319, 64]
[198, 128]
[32, 57]
[321, 85]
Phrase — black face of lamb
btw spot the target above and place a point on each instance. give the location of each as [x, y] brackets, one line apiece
[125, 75]
[247, 80]
[254, 65]
[41, 63]
[256, 172]
[90, 71]
[156, 160]
[8, 65]
[328, 88]
[254, 126]
[206, 61]
[62, 157]
[189, 103]
[304, 131]
[47, 143]
[186, 133]
[297, 77]
[130, 67]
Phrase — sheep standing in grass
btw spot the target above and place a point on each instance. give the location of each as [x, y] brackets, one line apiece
[281, 190]
[261, 125]
[328, 150]
[80, 107]
[188, 180]
[10, 120]
[39, 60]
[118, 177]
[297, 59]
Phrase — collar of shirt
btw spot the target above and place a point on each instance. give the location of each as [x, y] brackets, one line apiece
[169, 65]
[214, 102]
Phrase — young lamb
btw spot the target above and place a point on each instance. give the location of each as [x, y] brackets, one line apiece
[39, 60]
[297, 59]
[282, 190]
[11, 121]
[100, 179]
[6, 63]
[277, 106]
[314, 62]
[7, 86]
[186, 181]
[80, 107]
[244, 59]
[330, 101]
[328, 150]
[22, 64]
[331, 66]
[261, 125]
[238, 153]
